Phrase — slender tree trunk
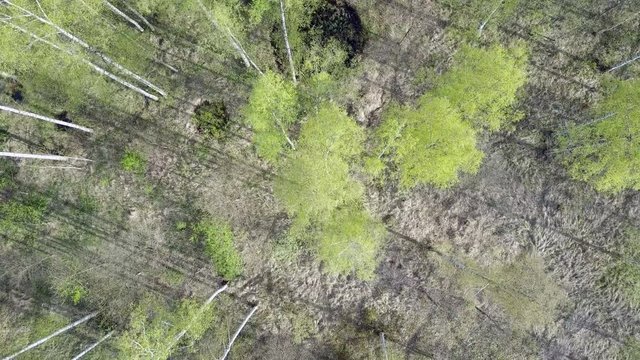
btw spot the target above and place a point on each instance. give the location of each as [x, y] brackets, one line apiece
[232, 39]
[100, 70]
[88, 47]
[93, 346]
[124, 16]
[383, 344]
[484, 23]
[41, 157]
[624, 63]
[47, 338]
[142, 18]
[233, 338]
[286, 42]
[44, 118]
[202, 309]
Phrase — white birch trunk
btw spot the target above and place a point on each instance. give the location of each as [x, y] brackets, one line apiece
[383, 344]
[100, 70]
[44, 118]
[124, 16]
[286, 42]
[233, 338]
[202, 309]
[232, 39]
[79, 41]
[142, 18]
[47, 338]
[93, 346]
[41, 157]
[624, 63]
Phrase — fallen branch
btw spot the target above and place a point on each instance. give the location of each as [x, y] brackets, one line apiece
[286, 42]
[100, 70]
[233, 338]
[124, 16]
[47, 338]
[44, 118]
[41, 157]
[93, 346]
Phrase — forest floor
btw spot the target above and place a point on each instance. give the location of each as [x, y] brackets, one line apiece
[520, 200]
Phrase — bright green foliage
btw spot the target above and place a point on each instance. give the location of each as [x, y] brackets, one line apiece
[73, 291]
[483, 84]
[317, 189]
[133, 162]
[272, 109]
[431, 144]
[607, 153]
[219, 245]
[623, 274]
[154, 325]
[350, 242]
[315, 179]
[22, 216]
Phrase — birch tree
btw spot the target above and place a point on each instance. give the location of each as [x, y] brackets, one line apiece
[271, 111]
[606, 153]
[430, 144]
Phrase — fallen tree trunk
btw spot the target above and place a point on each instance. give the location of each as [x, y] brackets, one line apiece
[44, 118]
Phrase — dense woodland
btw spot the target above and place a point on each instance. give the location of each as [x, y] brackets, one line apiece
[319, 179]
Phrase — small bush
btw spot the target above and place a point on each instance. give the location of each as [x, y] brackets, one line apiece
[211, 118]
[218, 239]
[133, 162]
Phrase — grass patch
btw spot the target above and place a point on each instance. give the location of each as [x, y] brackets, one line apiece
[133, 162]
[218, 240]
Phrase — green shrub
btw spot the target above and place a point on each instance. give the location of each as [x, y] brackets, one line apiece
[212, 119]
[133, 162]
[218, 240]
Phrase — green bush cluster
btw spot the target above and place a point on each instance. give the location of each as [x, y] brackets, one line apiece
[218, 240]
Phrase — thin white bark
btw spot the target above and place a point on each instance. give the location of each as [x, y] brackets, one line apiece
[246, 320]
[481, 28]
[41, 157]
[383, 344]
[124, 16]
[142, 18]
[44, 118]
[286, 42]
[202, 309]
[47, 338]
[88, 47]
[93, 346]
[232, 39]
[100, 70]
[624, 63]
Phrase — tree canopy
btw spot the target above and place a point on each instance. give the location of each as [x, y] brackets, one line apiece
[483, 84]
[606, 153]
[429, 144]
[271, 110]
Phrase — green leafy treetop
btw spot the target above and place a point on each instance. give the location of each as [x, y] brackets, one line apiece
[483, 84]
[315, 179]
[607, 153]
[318, 191]
[432, 144]
[272, 109]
